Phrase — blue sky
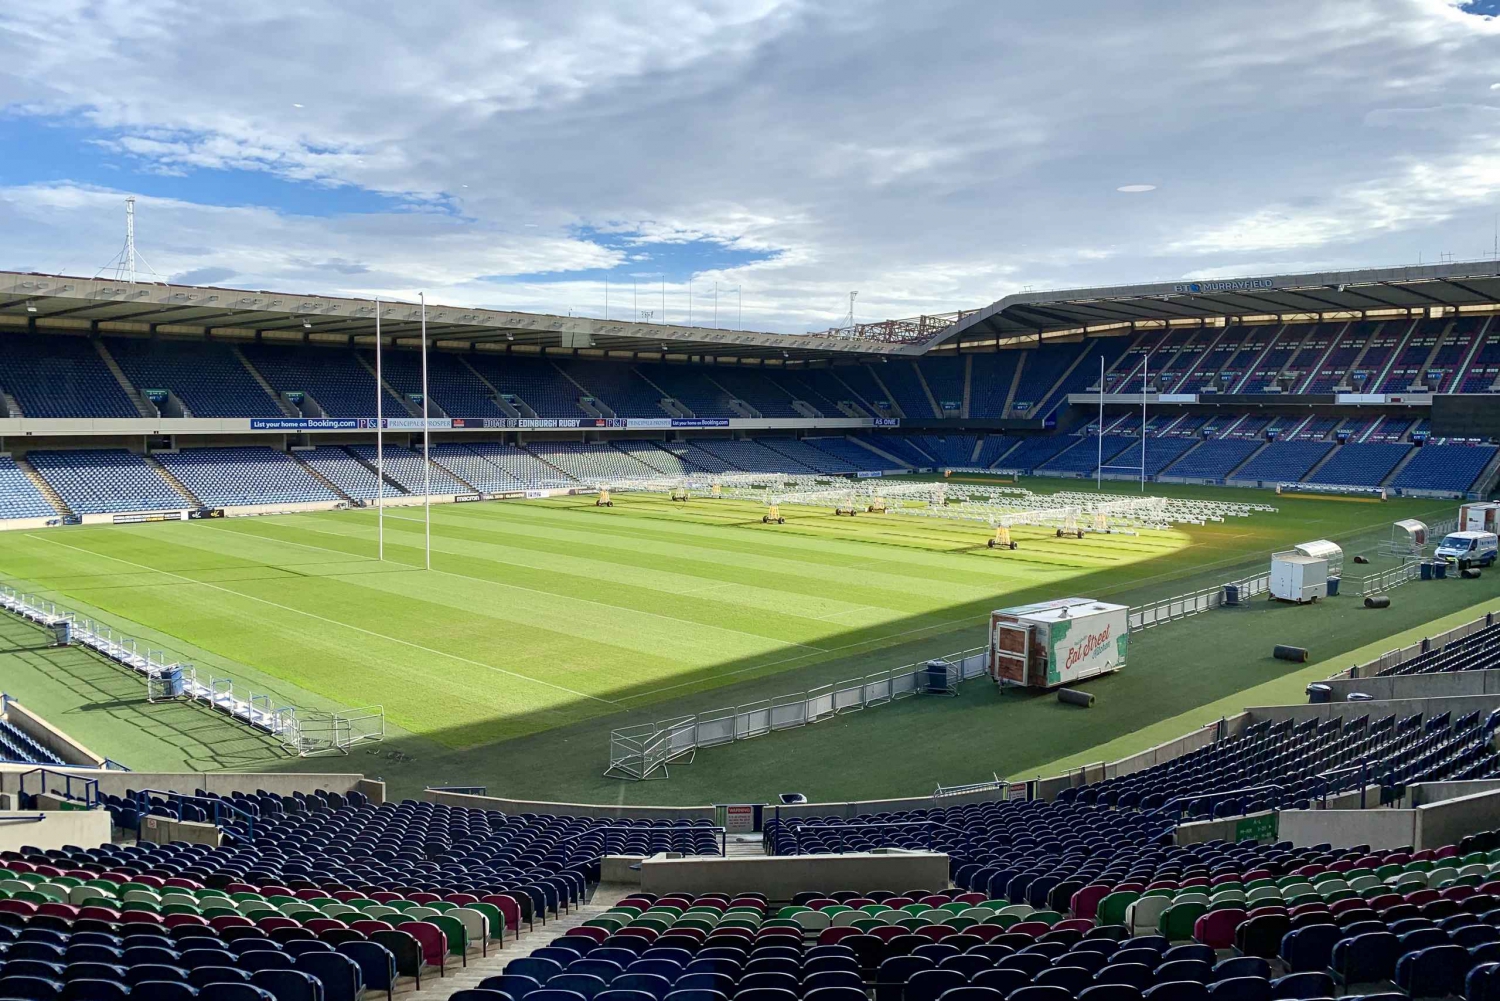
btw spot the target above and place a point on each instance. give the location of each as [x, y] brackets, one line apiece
[931, 157]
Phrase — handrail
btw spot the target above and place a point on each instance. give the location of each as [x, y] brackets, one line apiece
[90, 796]
[23, 820]
[143, 806]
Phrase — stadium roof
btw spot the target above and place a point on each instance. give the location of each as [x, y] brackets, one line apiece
[1358, 294]
[57, 302]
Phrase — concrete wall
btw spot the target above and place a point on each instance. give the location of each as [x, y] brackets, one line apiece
[1445, 823]
[779, 877]
[570, 809]
[49, 736]
[115, 783]
[1376, 828]
[87, 828]
[1419, 686]
[1457, 705]
[164, 830]
[1424, 793]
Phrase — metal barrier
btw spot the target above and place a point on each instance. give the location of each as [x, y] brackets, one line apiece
[641, 751]
[79, 788]
[1184, 605]
[223, 811]
[1384, 580]
[303, 731]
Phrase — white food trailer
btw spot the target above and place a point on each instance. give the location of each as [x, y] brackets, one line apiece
[1296, 577]
[1058, 642]
[1479, 517]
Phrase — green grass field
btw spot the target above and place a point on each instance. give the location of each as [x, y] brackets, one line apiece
[544, 624]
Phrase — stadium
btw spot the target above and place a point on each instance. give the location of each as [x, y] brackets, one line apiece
[1107, 644]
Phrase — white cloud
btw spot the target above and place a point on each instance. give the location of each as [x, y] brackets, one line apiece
[933, 156]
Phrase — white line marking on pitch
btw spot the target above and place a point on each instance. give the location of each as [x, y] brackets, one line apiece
[334, 622]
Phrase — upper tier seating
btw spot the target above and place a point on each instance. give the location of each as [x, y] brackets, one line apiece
[207, 377]
[333, 377]
[19, 497]
[619, 386]
[346, 472]
[768, 397]
[819, 389]
[537, 382]
[1214, 459]
[1444, 467]
[990, 382]
[455, 389]
[99, 481]
[1084, 374]
[862, 381]
[1285, 461]
[945, 377]
[1040, 372]
[900, 377]
[226, 477]
[1361, 465]
[405, 467]
[60, 377]
[692, 387]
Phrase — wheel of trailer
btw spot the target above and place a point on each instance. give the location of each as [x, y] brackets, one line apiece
[765, 519]
[991, 543]
[781, 521]
[1080, 533]
[1013, 545]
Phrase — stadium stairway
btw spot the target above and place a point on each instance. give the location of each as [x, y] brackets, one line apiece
[1405, 461]
[143, 406]
[43, 487]
[310, 471]
[469, 977]
[172, 480]
[260, 380]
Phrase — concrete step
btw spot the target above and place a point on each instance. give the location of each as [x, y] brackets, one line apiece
[461, 977]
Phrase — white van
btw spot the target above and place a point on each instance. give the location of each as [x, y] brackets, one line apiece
[1470, 548]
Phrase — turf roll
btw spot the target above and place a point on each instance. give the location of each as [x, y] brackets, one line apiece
[1070, 697]
[1469, 573]
[1378, 601]
[1294, 653]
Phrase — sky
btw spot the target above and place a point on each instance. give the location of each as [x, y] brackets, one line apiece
[745, 162]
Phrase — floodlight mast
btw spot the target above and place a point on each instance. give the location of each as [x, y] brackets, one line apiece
[379, 439]
[426, 446]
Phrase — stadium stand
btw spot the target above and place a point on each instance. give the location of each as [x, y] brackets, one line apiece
[19, 497]
[696, 458]
[620, 387]
[1360, 464]
[1284, 461]
[1041, 370]
[805, 455]
[61, 377]
[855, 456]
[658, 458]
[590, 461]
[1214, 459]
[955, 451]
[208, 378]
[819, 390]
[765, 396]
[1030, 453]
[902, 448]
[993, 448]
[901, 378]
[405, 467]
[456, 390]
[1084, 457]
[227, 477]
[861, 380]
[352, 477]
[538, 385]
[990, 382]
[691, 387]
[332, 377]
[1160, 453]
[17, 747]
[1444, 468]
[471, 467]
[750, 456]
[103, 481]
[945, 377]
[521, 464]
